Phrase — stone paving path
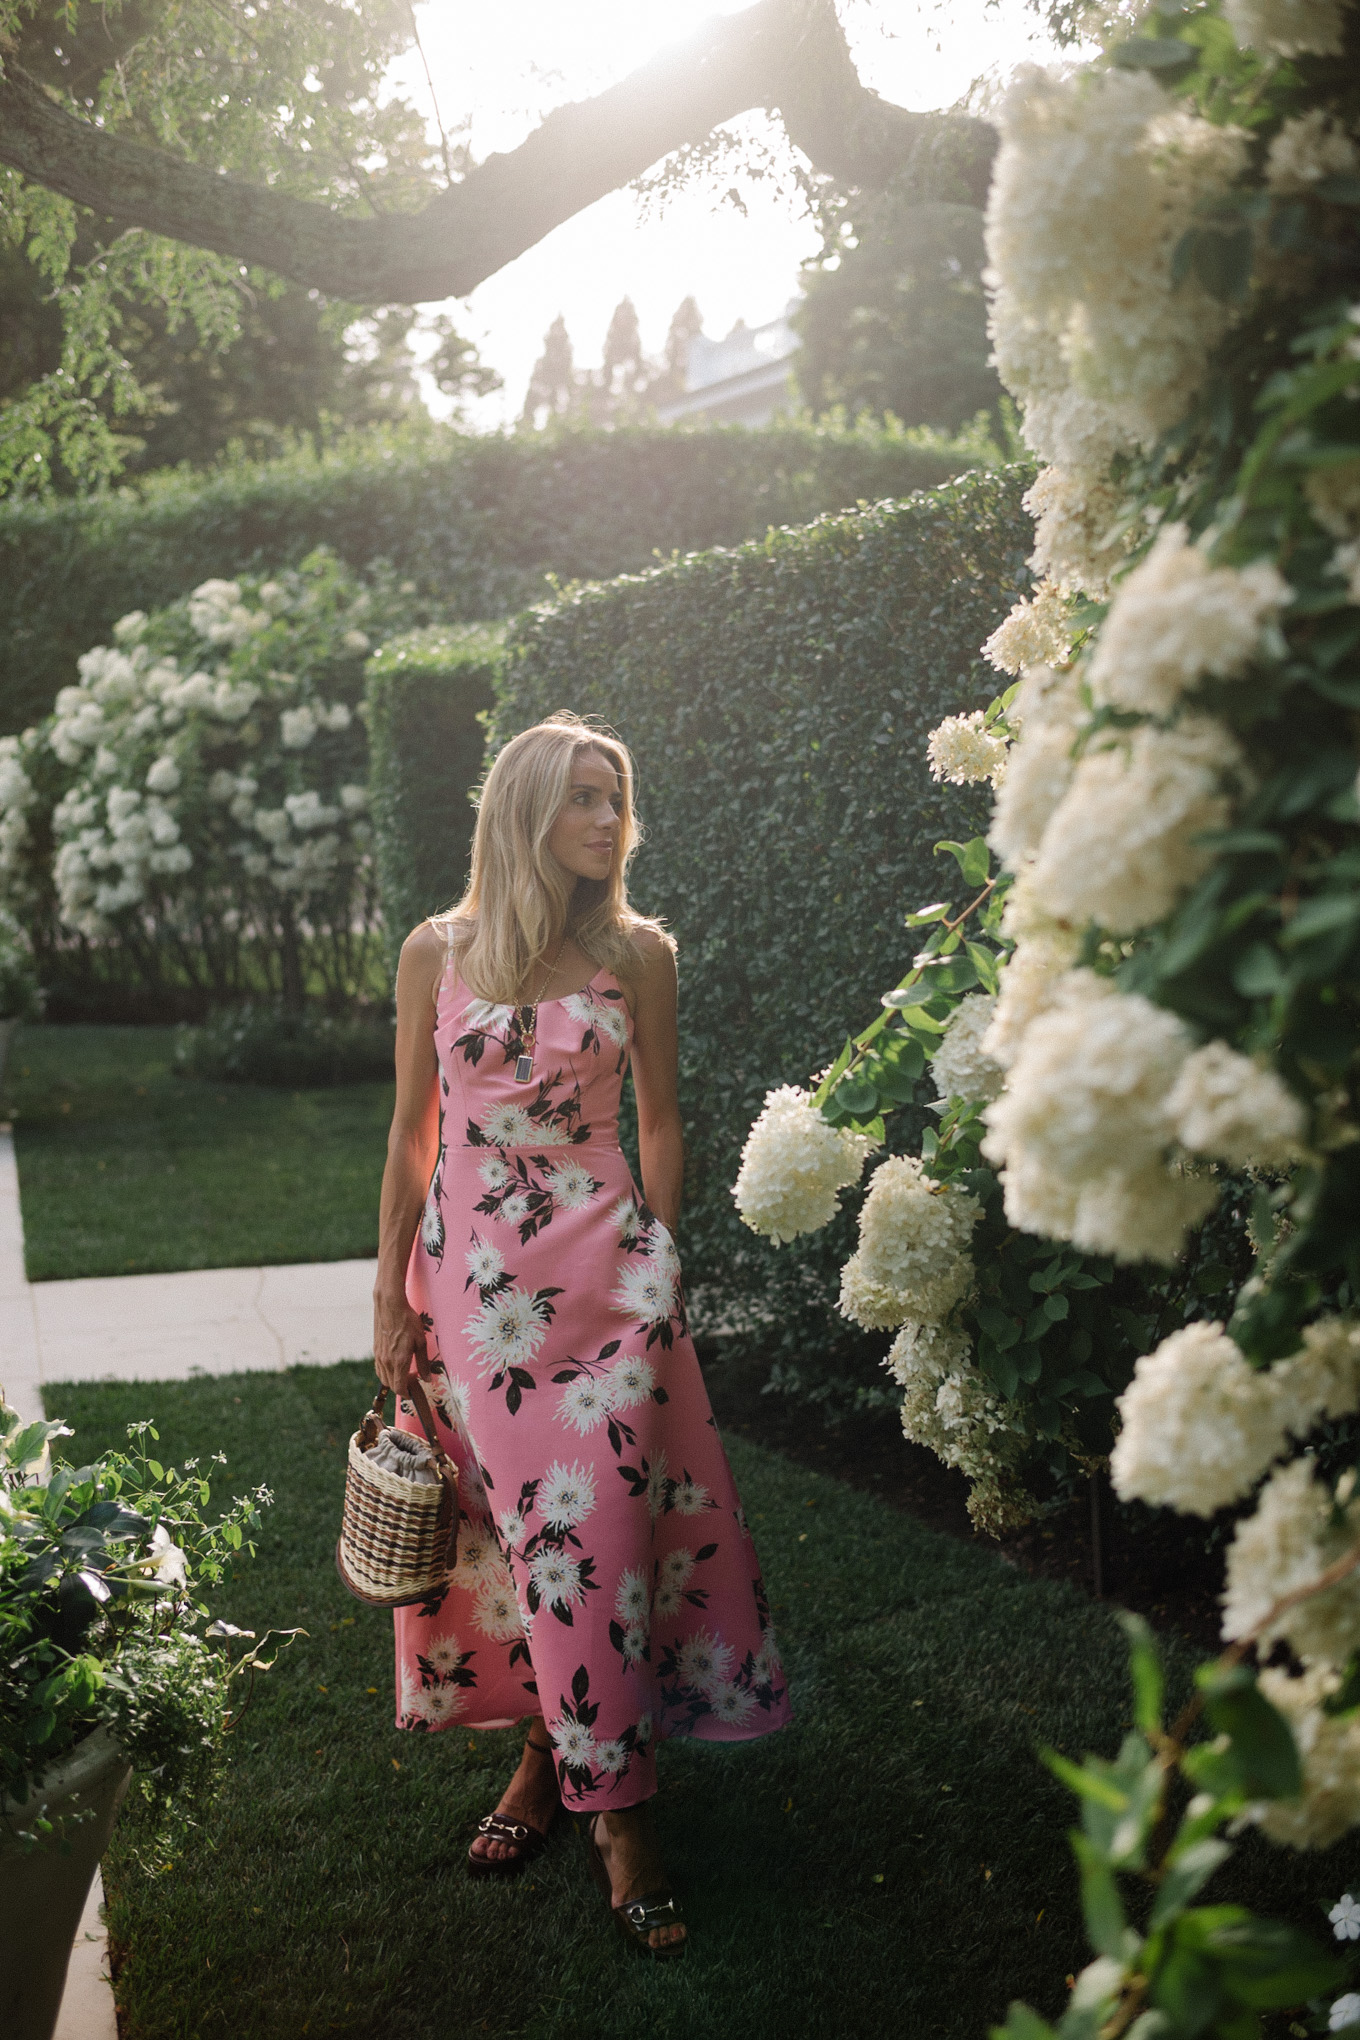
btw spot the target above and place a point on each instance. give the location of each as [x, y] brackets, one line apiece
[159, 1328]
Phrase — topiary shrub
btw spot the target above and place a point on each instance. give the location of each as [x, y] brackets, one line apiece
[778, 699]
[473, 523]
[428, 696]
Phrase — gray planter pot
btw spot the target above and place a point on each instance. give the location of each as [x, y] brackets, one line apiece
[42, 1890]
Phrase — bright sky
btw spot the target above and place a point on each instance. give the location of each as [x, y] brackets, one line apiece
[497, 69]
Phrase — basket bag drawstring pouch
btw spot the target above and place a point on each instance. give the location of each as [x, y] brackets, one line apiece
[399, 1532]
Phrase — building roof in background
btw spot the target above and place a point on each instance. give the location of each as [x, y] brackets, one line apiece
[742, 379]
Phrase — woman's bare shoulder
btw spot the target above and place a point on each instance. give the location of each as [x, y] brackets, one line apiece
[653, 943]
[423, 956]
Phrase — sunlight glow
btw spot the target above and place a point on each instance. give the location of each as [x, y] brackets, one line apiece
[498, 70]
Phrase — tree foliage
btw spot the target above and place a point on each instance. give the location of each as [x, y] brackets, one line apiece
[208, 146]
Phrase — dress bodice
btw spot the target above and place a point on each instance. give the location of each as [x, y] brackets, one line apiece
[570, 1097]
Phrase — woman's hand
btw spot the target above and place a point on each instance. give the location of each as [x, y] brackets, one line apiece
[398, 1341]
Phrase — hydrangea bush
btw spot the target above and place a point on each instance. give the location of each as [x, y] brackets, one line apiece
[196, 802]
[1173, 946]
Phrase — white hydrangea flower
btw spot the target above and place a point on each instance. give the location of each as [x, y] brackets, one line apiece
[1198, 1424]
[129, 628]
[297, 727]
[1120, 848]
[961, 1066]
[963, 751]
[1031, 978]
[1323, 1378]
[1040, 766]
[1329, 1748]
[1035, 633]
[1175, 619]
[1095, 181]
[914, 1237]
[868, 1303]
[1082, 1130]
[1307, 149]
[1286, 1545]
[1225, 1105]
[793, 1165]
[948, 1407]
[1345, 2009]
[307, 811]
[1292, 28]
[1079, 542]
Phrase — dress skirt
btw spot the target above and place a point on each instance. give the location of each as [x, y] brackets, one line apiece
[606, 1578]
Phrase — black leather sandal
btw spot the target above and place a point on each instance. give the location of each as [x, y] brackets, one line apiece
[526, 1841]
[637, 1918]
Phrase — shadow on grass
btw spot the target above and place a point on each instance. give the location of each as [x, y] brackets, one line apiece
[893, 1862]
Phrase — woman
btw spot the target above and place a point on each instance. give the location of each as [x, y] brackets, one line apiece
[606, 1586]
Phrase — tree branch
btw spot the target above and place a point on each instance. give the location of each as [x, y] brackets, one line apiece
[786, 55]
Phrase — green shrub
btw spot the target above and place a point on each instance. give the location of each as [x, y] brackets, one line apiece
[193, 813]
[475, 523]
[778, 699]
[20, 998]
[429, 693]
[293, 1051]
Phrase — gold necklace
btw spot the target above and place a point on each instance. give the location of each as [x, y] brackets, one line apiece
[528, 1034]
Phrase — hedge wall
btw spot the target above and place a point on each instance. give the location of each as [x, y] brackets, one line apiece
[428, 696]
[778, 698]
[474, 522]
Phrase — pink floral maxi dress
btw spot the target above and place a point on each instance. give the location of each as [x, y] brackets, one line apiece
[606, 1578]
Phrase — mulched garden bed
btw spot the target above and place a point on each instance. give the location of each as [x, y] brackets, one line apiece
[1168, 1568]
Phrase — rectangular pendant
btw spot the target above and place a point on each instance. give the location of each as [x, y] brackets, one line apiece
[524, 1069]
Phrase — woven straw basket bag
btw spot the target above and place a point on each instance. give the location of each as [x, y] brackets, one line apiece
[398, 1537]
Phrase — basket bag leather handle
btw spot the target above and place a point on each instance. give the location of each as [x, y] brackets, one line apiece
[373, 1423]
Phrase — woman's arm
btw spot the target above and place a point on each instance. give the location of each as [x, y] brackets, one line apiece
[656, 1051]
[412, 1145]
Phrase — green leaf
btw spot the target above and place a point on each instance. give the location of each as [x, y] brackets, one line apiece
[1102, 1908]
[855, 1095]
[1163, 54]
[1319, 916]
[938, 912]
[1086, 1781]
[985, 964]
[1145, 1668]
[1023, 2024]
[1191, 1871]
[973, 858]
[1268, 1965]
[1055, 1307]
[1262, 1750]
[836, 1071]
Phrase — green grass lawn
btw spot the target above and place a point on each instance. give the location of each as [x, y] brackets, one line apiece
[125, 1168]
[893, 1863]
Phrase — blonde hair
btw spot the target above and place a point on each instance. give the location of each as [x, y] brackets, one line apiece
[520, 901]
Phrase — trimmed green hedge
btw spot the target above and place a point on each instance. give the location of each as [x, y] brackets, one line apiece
[475, 523]
[428, 695]
[778, 699]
